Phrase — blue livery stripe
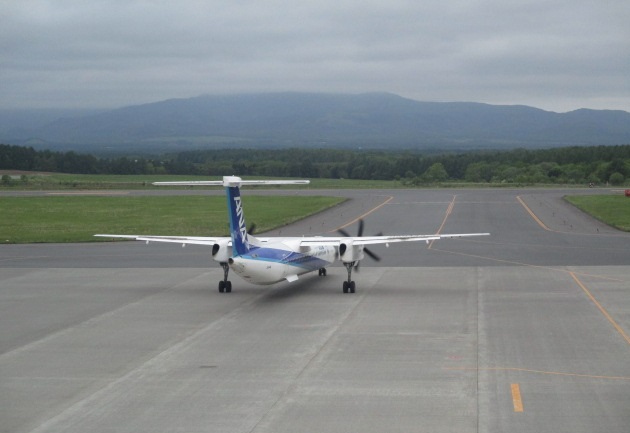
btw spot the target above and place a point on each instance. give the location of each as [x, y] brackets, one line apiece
[286, 257]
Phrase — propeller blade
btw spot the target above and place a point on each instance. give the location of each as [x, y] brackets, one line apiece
[365, 250]
[343, 232]
[372, 255]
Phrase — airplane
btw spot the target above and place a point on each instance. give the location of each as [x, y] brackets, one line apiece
[270, 260]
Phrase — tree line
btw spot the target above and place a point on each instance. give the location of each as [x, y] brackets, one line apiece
[569, 165]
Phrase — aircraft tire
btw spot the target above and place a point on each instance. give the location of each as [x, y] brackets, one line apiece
[345, 287]
[228, 287]
[221, 286]
[352, 287]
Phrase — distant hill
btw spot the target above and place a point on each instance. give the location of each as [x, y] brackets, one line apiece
[373, 120]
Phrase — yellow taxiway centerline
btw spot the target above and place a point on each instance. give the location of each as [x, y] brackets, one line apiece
[517, 401]
[601, 309]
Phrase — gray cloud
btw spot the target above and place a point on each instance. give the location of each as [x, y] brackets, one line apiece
[558, 55]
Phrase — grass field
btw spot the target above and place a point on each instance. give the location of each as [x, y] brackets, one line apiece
[77, 218]
[60, 181]
[614, 210]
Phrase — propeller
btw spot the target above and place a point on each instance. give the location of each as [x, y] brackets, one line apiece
[360, 234]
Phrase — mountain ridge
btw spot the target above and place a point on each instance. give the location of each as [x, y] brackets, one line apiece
[293, 119]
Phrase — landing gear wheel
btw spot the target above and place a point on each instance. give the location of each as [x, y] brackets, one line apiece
[225, 286]
[345, 287]
[352, 287]
[322, 272]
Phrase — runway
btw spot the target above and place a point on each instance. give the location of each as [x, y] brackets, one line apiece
[527, 330]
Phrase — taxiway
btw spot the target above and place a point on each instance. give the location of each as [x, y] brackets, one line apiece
[526, 330]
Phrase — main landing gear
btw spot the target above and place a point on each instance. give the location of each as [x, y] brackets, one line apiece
[225, 285]
[349, 286]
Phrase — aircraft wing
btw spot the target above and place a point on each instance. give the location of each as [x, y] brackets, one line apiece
[373, 240]
[304, 241]
[182, 240]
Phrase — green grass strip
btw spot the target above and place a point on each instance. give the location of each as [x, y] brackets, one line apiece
[59, 181]
[77, 218]
[613, 210]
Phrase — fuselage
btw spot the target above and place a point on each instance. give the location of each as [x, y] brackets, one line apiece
[280, 261]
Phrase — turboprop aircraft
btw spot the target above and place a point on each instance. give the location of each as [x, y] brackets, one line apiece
[269, 260]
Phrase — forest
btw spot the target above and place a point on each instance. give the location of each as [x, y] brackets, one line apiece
[568, 165]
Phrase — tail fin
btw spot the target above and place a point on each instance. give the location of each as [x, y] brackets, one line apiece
[241, 240]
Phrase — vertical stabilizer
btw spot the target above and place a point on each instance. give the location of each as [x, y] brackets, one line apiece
[241, 240]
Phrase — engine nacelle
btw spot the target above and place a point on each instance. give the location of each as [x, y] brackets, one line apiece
[221, 251]
[348, 252]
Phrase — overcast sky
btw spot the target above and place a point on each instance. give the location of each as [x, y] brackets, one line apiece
[558, 55]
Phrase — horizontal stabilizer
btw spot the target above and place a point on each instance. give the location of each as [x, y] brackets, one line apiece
[233, 181]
